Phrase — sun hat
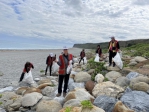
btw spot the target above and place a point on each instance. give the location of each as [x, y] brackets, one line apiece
[65, 47]
[51, 54]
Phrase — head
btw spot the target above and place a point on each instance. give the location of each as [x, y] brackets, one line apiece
[98, 46]
[65, 50]
[112, 38]
[82, 49]
[27, 66]
[51, 54]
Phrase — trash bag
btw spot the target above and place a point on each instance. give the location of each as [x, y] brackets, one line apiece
[85, 60]
[69, 67]
[75, 60]
[96, 58]
[132, 75]
[136, 100]
[55, 67]
[118, 61]
[28, 78]
[105, 102]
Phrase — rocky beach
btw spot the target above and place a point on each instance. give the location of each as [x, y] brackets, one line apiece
[93, 86]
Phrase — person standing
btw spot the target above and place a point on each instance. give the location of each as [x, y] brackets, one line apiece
[82, 55]
[63, 62]
[113, 48]
[49, 63]
[99, 51]
[27, 68]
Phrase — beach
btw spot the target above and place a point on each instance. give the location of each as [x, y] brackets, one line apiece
[12, 62]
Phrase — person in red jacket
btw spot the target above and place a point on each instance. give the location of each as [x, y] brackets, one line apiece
[82, 55]
[113, 48]
[49, 63]
[63, 62]
[27, 68]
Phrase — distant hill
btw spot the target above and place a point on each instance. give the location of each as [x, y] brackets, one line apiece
[105, 44]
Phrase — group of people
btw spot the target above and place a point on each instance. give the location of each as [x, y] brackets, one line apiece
[64, 60]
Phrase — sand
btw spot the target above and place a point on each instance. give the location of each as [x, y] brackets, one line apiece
[12, 62]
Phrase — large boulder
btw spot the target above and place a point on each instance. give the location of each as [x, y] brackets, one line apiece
[107, 88]
[144, 70]
[132, 75]
[120, 107]
[89, 86]
[80, 94]
[21, 90]
[139, 59]
[91, 71]
[82, 77]
[48, 106]
[74, 85]
[99, 78]
[141, 86]
[45, 81]
[136, 100]
[113, 75]
[42, 86]
[139, 79]
[31, 90]
[16, 104]
[105, 102]
[72, 103]
[48, 90]
[1, 73]
[31, 99]
[122, 81]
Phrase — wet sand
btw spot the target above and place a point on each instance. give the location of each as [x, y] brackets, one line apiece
[12, 62]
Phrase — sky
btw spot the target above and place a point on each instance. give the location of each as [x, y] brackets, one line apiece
[56, 23]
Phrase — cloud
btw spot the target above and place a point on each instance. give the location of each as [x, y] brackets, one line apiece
[75, 21]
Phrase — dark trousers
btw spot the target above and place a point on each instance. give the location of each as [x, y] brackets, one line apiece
[60, 80]
[50, 69]
[111, 55]
[22, 76]
[81, 59]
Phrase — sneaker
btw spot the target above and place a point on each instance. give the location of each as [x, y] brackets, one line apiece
[59, 94]
[64, 94]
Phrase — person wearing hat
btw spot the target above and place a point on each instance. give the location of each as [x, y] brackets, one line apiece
[82, 55]
[49, 63]
[99, 51]
[63, 62]
[113, 48]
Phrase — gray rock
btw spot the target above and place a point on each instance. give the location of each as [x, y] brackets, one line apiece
[132, 63]
[82, 77]
[105, 102]
[31, 99]
[91, 71]
[141, 86]
[113, 75]
[132, 75]
[122, 81]
[139, 59]
[48, 90]
[2, 110]
[72, 103]
[1, 74]
[74, 85]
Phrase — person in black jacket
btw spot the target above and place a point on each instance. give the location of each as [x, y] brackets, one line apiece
[113, 48]
[82, 55]
[49, 63]
[99, 51]
[27, 68]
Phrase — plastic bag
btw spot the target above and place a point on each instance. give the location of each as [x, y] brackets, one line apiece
[85, 60]
[96, 58]
[28, 78]
[118, 61]
[69, 68]
[55, 67]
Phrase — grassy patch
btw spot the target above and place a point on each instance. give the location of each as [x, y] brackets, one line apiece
[87, 104]
[1, 95]
[42, 71]
[106, 79]
[68, 109]
[1, 103]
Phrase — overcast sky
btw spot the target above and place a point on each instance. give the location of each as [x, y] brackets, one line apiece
[59, 22]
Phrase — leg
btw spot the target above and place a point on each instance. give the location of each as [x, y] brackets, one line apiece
[60, 80]
[110, 58]
[46, 70]
[113, 55]
[50, 69]
[80, 60]
[66, 82]
[83, 60]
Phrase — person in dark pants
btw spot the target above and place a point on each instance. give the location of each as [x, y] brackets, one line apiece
[49, 63]
[27, 68]
[113, 48]
[82, 55]
[99, 51]
[63, 62]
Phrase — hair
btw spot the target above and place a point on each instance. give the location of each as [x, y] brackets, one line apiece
[98, 45]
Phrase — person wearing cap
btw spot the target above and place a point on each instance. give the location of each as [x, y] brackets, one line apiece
[113, 48]
[27, 68]
[49, 63]
[63, 62]
[99, 51]
[82, 55]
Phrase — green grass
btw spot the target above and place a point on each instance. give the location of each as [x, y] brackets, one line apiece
[0, 95]
[1, 103]
[68, 109]
[42, 71]
[87, 104]
[106, 79]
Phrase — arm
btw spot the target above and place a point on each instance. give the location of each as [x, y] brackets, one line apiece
[118, 46]
[22, 76]
[32, 66]
[47, 61]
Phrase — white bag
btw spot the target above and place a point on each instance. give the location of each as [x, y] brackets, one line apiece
[118, 61]
[75, 60]
[96, 58]
[55, 67]
[69, 68]
[85, 60]
[28, 78]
